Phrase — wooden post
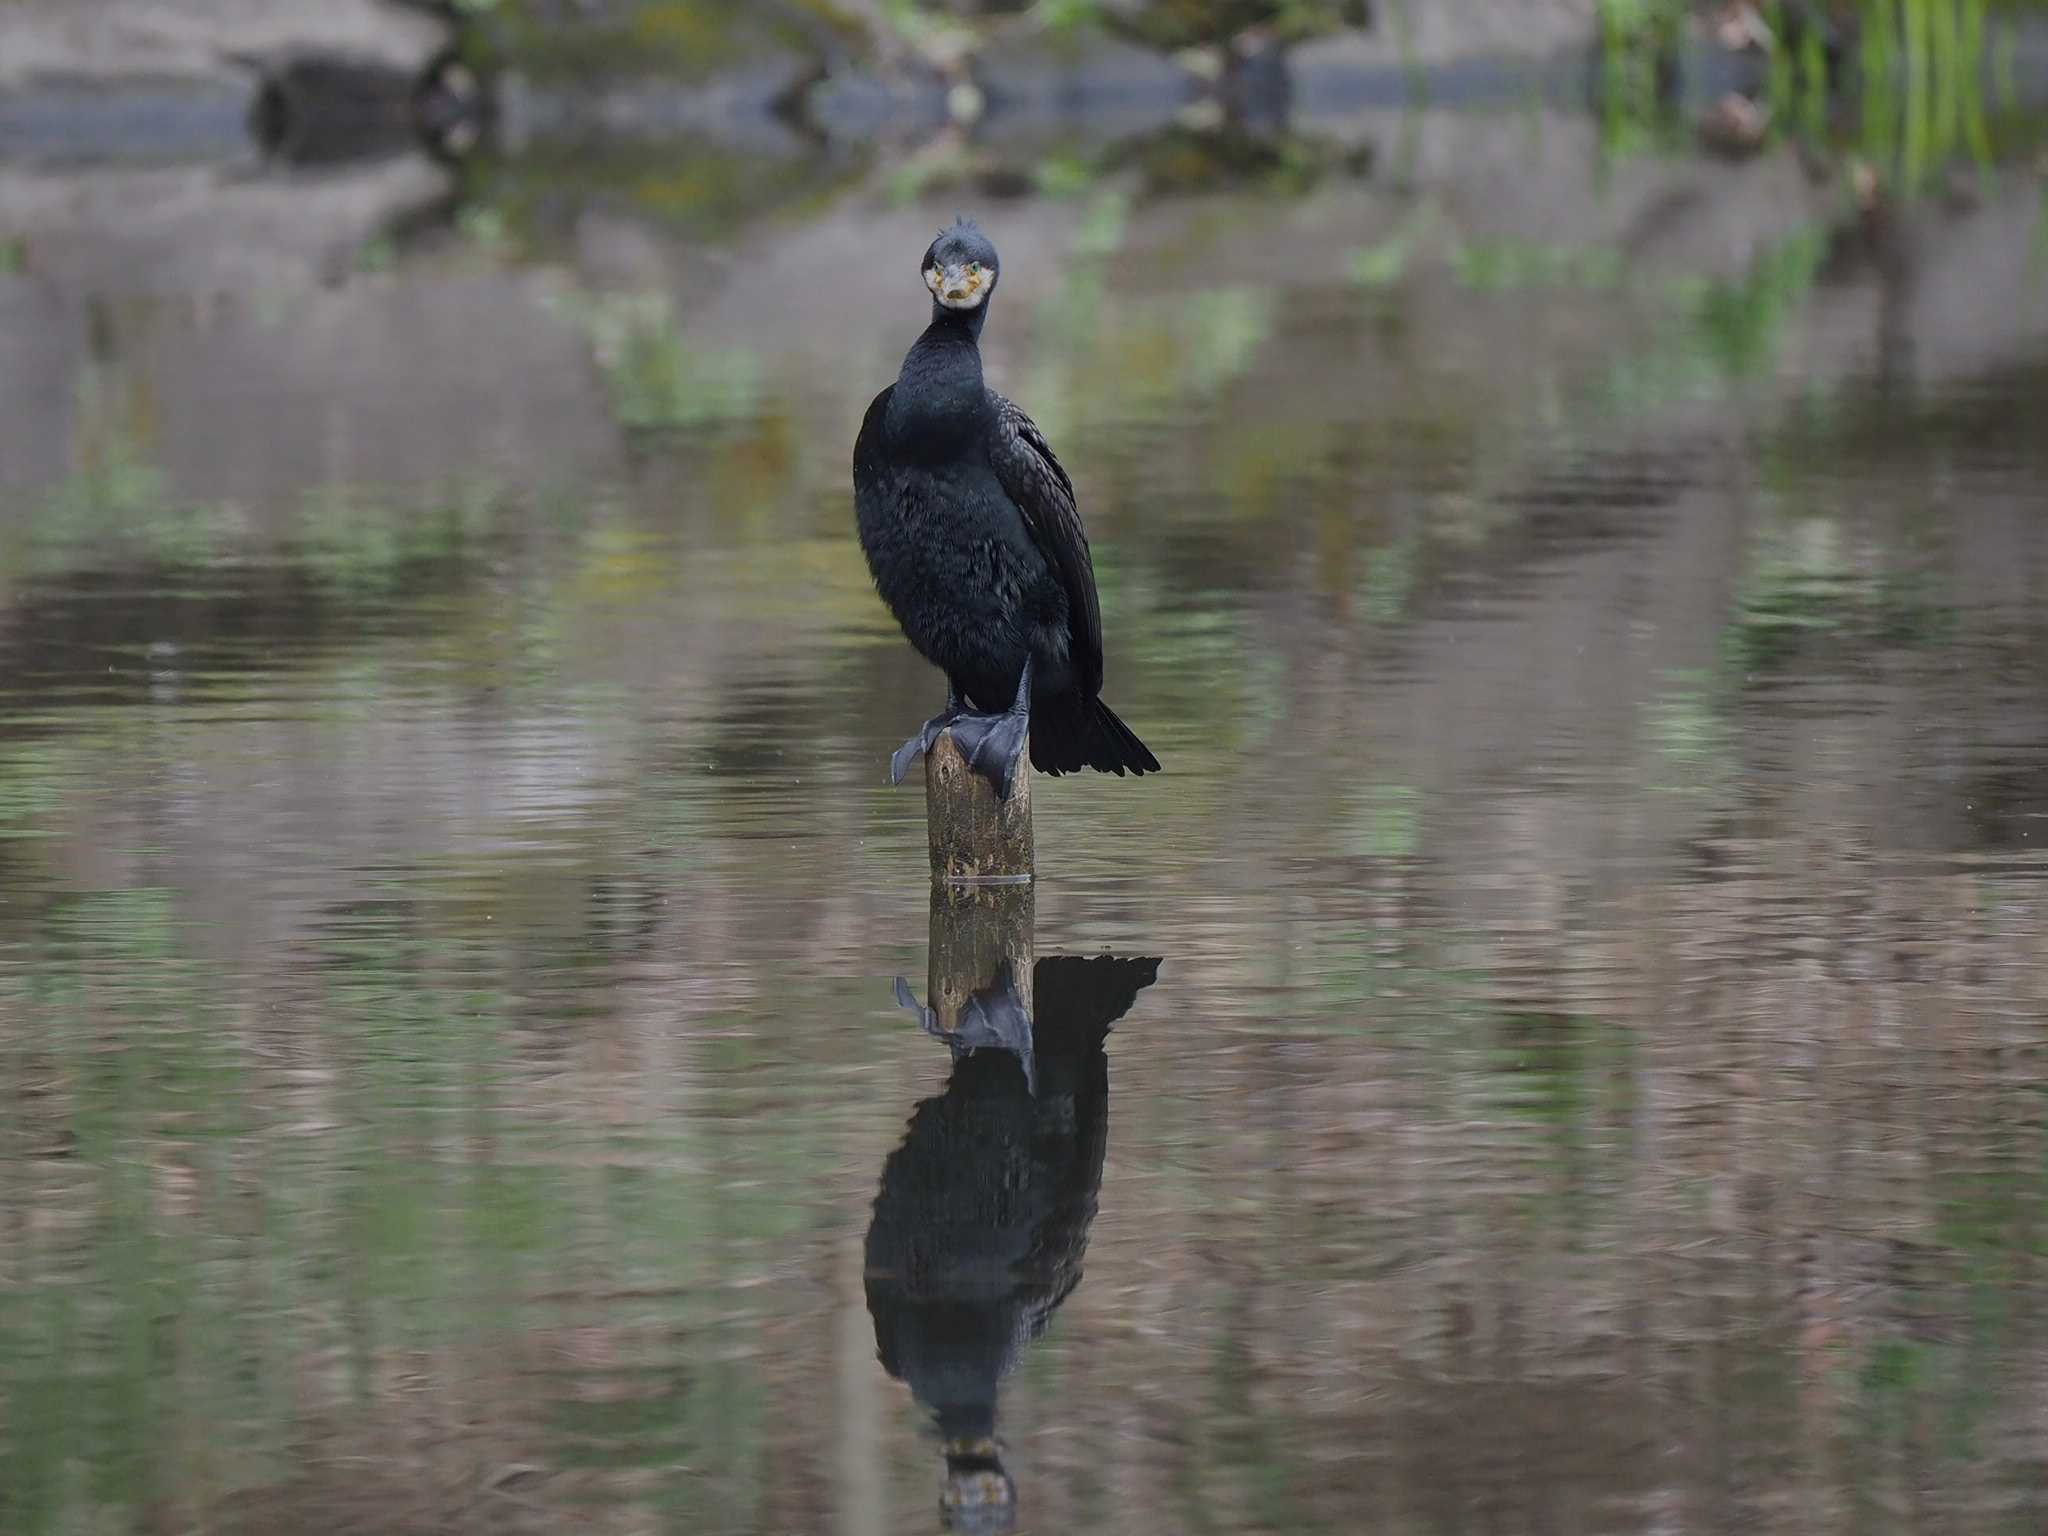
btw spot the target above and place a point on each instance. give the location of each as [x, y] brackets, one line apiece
[975, 837]
[976, 931]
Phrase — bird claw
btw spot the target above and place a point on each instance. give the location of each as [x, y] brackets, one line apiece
[901, 759]
[993, 745]
[911, 750]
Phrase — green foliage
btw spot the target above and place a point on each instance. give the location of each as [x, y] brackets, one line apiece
[1921, 69]
[1720, 333]
[1556, 1069]
[1384, 822]
[1066, 15]
[1382, 264]
[1637, 41]
[1063, 175]
[1225, 326]
[1391, 573]
[113, 478]
[1806, 589]
[678, 39]
[1510, 266]
[654, 375]
[1741, 325]
[1915, 78]
[702, 189]
[1695, 744]
[32, 778]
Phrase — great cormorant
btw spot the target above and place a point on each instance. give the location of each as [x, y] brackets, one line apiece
[971, 529]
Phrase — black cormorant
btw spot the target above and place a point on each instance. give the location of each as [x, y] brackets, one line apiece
[970, 527]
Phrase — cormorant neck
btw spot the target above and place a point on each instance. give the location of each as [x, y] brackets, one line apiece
[939, 394]
[969, 321]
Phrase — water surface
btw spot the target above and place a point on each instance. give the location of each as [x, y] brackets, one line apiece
[1589, 607]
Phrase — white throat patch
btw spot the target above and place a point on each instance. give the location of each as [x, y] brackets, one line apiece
[966, 294]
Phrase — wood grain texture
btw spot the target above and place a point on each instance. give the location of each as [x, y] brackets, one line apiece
[972, 835]
[977, 933]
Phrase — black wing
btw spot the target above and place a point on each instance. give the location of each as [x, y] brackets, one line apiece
[868, 446]
[1024, 463]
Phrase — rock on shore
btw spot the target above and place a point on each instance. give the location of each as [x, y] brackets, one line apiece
[46, 42]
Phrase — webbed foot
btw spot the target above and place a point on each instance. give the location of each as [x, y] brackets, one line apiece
[901, 759]
[994, 744]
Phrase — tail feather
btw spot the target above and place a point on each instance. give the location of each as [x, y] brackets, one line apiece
[1070, 733]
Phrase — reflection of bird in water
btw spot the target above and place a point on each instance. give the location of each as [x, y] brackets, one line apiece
[983, 1215]
[971, 529]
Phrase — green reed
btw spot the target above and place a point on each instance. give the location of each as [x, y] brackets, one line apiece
[1913, 90]
[1922, 67]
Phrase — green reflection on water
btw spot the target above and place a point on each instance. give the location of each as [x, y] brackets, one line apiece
[364, 1182]
[399, 1170]
[656, 376]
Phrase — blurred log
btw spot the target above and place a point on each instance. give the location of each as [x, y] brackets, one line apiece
[975, 837]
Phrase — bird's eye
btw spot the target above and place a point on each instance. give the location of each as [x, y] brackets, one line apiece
[974, 269]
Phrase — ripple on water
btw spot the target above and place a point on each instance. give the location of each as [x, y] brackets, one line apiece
[449, 1038]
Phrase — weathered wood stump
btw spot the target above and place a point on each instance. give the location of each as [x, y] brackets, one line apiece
[974, 836]
[981, 946]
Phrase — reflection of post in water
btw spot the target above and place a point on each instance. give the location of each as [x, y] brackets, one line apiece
[983, 1212]
[976, 932]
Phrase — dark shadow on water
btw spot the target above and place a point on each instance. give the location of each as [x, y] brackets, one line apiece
[129, 635]
[983, 1213]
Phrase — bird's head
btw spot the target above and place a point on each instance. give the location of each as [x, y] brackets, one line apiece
[961, 267]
